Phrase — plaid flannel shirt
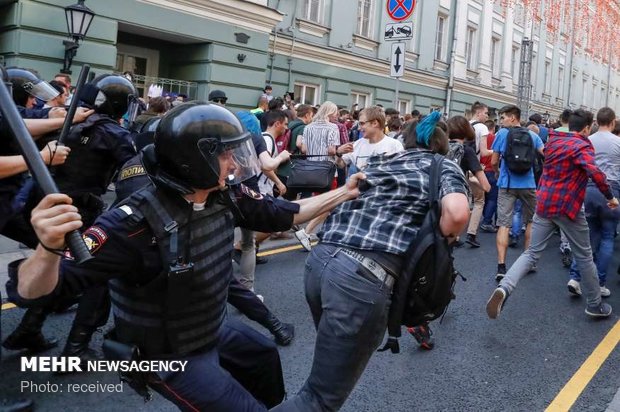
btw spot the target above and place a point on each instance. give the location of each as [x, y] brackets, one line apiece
[387, 217]
[569, 162]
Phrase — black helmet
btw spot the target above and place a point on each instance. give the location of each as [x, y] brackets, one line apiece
[112, 95]
[189, 140]
[26, 83]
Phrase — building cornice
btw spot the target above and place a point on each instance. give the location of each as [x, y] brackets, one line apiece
[371, 66]
[249, 15]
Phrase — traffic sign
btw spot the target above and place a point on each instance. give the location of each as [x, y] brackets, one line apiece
[397, 61]
[398, 31]
[400, 10]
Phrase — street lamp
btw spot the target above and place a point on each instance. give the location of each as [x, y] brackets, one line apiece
[79, 17]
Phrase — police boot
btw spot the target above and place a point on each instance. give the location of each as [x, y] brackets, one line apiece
[16, 405]
[28, 334]
[283, 332]
[77, 343]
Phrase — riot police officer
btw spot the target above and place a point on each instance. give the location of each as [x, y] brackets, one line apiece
[99, 146]
[169, 298]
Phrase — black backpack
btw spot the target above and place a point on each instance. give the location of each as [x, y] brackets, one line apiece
[456, 152]
[425, 286]
[520, 153]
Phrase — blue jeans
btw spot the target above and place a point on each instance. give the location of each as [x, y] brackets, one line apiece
[350, 312]
[490, 200]
[602, 222]
[515, 230]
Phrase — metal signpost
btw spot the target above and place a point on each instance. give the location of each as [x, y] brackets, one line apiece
[400, 31]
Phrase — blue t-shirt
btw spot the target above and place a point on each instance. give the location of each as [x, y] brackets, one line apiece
[525, 181]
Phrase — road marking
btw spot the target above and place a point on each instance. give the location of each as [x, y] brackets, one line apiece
[282, 250]
[575, 386]
[6, 306]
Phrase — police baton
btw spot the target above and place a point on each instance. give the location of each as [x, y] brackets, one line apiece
[74, 103]
[36, 166]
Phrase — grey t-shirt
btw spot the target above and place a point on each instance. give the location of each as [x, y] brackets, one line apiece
[607, 154]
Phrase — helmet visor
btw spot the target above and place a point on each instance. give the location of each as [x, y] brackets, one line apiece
[238, 161]
[41, 90]
[133, 105]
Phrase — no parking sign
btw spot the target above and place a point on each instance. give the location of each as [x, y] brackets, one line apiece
[400, 10]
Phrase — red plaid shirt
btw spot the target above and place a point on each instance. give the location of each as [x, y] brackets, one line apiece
[569, 162]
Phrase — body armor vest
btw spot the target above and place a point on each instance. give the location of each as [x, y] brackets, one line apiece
[181, 309]
[86, 170]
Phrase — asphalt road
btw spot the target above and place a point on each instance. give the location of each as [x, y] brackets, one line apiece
[519, 362]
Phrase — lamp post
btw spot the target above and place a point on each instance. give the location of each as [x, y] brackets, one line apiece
[79, 17]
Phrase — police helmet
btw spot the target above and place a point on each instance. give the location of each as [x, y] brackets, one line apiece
[112, 95]
[191, 139]
[26, 83]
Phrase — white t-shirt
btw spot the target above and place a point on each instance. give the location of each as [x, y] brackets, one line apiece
[481, 130]
[363, 149]
[264, 183]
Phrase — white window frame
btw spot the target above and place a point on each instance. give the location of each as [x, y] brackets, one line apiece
[584, 97]
[561, 83]
[547, 77]
[307, 10]
[355, 99]
[470, 48]
[302, 96]
[515, 62]
[404, 107]
[369, 18]
[496, 46]
[440, 37]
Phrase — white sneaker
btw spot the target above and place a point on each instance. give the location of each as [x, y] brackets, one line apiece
[260, 297]
[574, 287]
[304, 239]
[605, 292]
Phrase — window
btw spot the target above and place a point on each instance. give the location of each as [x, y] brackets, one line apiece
[440, 38]
[307, 93]
[312, 10]
[561, 83]
[403, 107]
[361, 99]
[470, 48]
[364, 15]
[584, 90]
[547, 86]
[495, 56]
[515, 64]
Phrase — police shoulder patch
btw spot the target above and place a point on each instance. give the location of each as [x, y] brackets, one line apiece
[131, 171]
[94, 237]
[250, 193]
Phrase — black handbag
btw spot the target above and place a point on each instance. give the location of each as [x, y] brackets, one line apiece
[311, 176]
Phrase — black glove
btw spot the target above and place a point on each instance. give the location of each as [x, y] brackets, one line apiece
[283, 332]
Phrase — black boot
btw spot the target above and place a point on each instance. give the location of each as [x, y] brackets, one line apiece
[28, 335]
[77, 343]
[16, 405]
[283, 332]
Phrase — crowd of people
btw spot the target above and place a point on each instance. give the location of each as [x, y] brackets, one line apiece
[186, 174]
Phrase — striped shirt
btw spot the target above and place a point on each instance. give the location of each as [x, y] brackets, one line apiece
[387, 216]
[318, 136]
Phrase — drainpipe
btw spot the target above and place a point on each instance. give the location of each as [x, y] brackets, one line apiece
[450, 90]
[289, 61]
[572, 54]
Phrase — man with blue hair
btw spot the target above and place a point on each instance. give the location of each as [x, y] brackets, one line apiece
[350, 274]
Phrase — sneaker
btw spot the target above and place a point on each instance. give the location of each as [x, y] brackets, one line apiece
[471, 239]
[602, 310]
[260, 297]
[457, 243]
[422, 335]
[605, 292]
[489, 228]
[533, 269]
[501, 271]
[574, 288]
[567, 258]
[304, 239]
[496, 302]
[513, 241]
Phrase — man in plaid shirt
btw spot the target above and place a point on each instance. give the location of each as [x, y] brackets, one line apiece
[569, 162]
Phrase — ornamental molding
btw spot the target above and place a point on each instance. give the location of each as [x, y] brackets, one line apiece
[246, 14]
[312, 28]
[365, 43]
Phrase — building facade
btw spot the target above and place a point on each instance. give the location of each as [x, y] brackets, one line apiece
[461, 50]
